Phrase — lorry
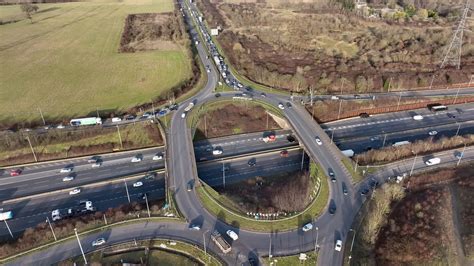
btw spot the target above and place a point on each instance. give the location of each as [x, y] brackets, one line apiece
[217, 61]
[220, 242]
[83, 207]
[189, 107]
[5, 215]
[87, 121]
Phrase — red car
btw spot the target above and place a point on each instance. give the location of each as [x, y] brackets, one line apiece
[284, 153]
[16, 172]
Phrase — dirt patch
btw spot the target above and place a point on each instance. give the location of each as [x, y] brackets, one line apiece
[234, 118]
[286, 193]
[295, 46]
[464, 192]
[152, 31]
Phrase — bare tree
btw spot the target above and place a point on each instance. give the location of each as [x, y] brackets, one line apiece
[29, 9]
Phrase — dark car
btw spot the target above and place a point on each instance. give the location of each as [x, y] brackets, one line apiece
[364, 115]
[130, 117]
[332, 209]
[333, 179]
[263, 94]
[252, 162]
[373, 183]
[288, 104]
[344, 189]
[217, 95]
[291, 139]
[357, 96]
[451, 115]
[364, 191]
[189, 186]
[174, 106]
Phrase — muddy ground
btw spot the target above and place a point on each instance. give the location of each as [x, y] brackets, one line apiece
[234, 118]
[298, 46]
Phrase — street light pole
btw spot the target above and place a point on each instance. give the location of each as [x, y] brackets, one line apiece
[8, 227]
[31, 147]
[457, 131]
[352, 244]
[147, 207]
[270, 248]
[461, 155]
[52, 231]
[413, 165]
[223, 173]
[399, 99]
[302, 160]
[384, 139]
[126, 189]
[120, 138]
[456, 97]
[340, 106]
[80, 246]
[316, 245]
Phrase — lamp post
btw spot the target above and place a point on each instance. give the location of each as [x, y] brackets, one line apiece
[461, 155]
[80, 246]
[126, 189]
[352, 244]
[413, 165]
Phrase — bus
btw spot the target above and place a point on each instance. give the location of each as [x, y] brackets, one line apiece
[436, 107]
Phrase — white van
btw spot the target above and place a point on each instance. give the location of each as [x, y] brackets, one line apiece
[116, 119]
[433, 161]
[418, 117]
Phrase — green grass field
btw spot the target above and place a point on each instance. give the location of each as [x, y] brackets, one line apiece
[67, 62]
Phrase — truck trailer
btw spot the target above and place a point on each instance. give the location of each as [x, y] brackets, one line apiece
[220, 242]
[87, 121]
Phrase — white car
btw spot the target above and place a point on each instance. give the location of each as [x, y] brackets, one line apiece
[232, 235]
[281, 106]
[433, 161]
[136, 159]
[183, 115]
[68, 178]
[98, 242]
[97, 164]
[158, 157]
[75, 191]
[433, 133]
[194, 227]
[60, 126]
[217, 151]
[116, 119]
[307, 227]
[418, 117]
[66, 170]
[138, 184]
[338, 245]
[318, 141]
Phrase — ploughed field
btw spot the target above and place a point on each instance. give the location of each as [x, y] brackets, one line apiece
[68, 61]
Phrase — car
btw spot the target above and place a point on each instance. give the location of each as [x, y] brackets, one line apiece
[15, 172]
[158, 156]
[333, 179]
[68, 178]
[138, 184]
[98, 242]
[208, 70]
[174, 107]
[307, 227]
[150, 175]
[183, 115]
[451, 115]
[66, 170]
[60, 126]
[93, 159]
[356, 96]
[263, 94]
[116, 119]
[291, 139]
[189, 186]
[344, 189]
[338, 246]
[217, 95]
[433, 133]
[136, 159]
[374, 138]
[364, 191]
[217, 151]
[194, 227]
[281, 106]
[130, 117]
[288, 104]
[97, 164]
[284, 153]
[433, 161]
[318, 141]
[418, 117]
[75, 191]
[232, 234]
[252, 162]
[459, 155]
[373, 183]
[330, 172]
[332, 209]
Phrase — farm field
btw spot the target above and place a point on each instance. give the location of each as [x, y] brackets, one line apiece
[67, 62]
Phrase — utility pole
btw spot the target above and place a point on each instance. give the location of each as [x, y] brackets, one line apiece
[120, 138]
[31, 147]
[456, 97]
[432, 78]
[453, 52]
[105, 219]
[80, 246]
[342, 85]
[461, 155]
[42, 117]
[459, 127]
[413, 165]
[311, 91]
[340, 106]
[384, 139]
[352, 244]
[147, 207]
[8, 227]
[267, 120]
[223, 173]
[389, 84]
[126, 189]
[204, 240]
[52, 231]
[399, 98]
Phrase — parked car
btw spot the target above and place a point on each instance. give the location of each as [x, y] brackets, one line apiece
[98, 242]
[232, 235]
[116, 119]
[217, 151]
[307, 227]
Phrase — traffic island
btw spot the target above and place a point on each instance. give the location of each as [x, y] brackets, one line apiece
[149, 252]
[309, 258]
[225, 209]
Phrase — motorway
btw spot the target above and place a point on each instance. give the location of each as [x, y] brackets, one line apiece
[181, 164]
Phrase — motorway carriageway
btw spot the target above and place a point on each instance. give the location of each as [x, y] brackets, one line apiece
[32, 211]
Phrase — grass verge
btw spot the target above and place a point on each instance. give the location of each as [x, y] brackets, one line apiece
[311, 259]
[220, 207]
